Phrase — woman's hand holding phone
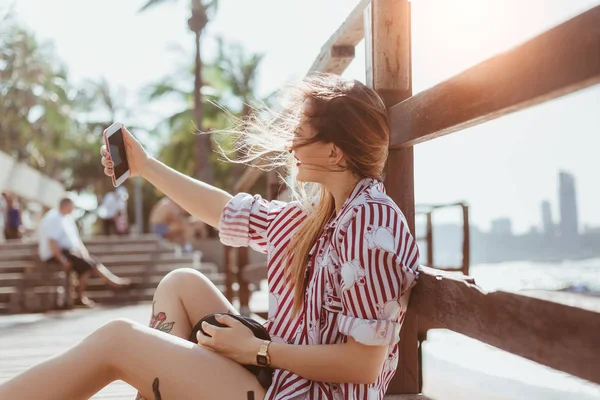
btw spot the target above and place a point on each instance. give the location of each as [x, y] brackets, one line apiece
[136, 155]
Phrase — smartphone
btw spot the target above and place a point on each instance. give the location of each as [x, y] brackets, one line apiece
[113, 137]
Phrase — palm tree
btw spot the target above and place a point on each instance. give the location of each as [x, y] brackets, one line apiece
[98, 105]
[200, 11]
[231, 84]
[35, 100]
[179, 153]
[240, 71]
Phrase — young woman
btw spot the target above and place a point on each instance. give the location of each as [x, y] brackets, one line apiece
[340, 269]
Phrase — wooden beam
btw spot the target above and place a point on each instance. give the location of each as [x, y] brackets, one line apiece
[248, 179]
[336, 55]
[388, 67]
[562, 337]
[557, 62]
[338, 52]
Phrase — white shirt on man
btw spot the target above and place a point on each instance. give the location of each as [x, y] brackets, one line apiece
[109, 208]
[62, 229]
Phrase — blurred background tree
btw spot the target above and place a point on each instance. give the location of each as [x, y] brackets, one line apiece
[36, 100]
[229, 91]
[56, 127]
[201, 11]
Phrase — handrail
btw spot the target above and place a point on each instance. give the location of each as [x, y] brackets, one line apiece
[338, 52]
[557, 62]
[559, 336]
[428, 210]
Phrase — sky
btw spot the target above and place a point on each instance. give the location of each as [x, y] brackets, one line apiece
[503, 168]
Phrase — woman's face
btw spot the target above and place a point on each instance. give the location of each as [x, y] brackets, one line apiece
[313, 160]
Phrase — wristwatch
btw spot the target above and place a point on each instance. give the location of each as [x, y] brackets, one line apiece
[262, 357]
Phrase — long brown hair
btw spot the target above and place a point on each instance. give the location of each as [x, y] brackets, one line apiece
[343, 112]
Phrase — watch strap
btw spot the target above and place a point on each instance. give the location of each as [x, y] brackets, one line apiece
[262, 357]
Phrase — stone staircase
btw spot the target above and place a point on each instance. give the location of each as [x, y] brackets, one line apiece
[26, 284]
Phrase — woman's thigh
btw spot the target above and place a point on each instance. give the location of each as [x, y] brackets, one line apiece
[182, 298]
[184, 370]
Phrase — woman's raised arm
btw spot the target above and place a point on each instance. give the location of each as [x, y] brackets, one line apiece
[200, 199]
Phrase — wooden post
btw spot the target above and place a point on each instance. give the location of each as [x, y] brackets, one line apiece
[430, 239]
[243, 289]
[228, 263]
[388, 65]
[466, 246]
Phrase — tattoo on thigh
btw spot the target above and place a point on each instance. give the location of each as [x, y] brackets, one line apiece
[155, 389]
[158, 321]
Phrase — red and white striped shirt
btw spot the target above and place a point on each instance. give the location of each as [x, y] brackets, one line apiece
[361, 270]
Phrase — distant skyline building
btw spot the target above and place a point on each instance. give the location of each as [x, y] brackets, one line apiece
[567, 197]
[502, 226]
[547, 222]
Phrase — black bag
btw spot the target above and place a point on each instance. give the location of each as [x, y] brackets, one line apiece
[263, 374]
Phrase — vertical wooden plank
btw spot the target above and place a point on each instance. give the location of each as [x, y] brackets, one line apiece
[466, 247]
[388, 49]
[400, 186]
[244, 290]
[368, 27]
[429, 240]
[388, 66]
[272, 185]
[229, 275]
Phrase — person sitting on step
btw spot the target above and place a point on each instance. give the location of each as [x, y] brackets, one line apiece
[59, 241]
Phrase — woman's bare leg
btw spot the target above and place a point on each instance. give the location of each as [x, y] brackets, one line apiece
[75, 374]
[138, 355]
[182, 298]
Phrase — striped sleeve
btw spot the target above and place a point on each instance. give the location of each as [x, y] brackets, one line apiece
[379, 259]
[246, 219]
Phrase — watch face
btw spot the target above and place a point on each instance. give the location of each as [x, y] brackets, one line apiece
[261, 360]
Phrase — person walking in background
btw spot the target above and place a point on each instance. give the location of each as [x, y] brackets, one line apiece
[59, 241]
[108, 211]
[12, 218]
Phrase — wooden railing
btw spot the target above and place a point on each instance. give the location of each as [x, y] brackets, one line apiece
[557, 62]
[428, 211]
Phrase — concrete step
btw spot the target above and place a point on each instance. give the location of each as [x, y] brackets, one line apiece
[7, 291]
[9, 274]
[147, 276]
[16, 279]
[159, 269]
[148, 282]
[119, 260]
[146, 238]
[133, 296]
[89, 241]
[140, 273]
[29, 254]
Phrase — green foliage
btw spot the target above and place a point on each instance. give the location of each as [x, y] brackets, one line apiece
[56, 128]
[41, 120]
[36, 102]
[229, 87]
